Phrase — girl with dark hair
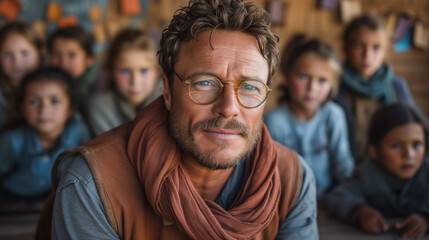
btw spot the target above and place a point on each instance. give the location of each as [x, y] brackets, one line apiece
[306, 120]
[45, 127]
[394, 184]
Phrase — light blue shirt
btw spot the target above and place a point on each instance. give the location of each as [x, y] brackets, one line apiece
[79, 214]
[26, 166]
[322, 141]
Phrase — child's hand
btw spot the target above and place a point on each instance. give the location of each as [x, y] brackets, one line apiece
[414, 226]
[371, 220]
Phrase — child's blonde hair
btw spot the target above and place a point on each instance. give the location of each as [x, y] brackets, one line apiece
[301, 46]
[129, 39]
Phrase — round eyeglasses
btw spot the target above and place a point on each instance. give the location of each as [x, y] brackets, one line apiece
[205, 89]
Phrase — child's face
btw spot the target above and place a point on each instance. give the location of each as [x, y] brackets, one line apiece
[310, 83]
[135, 76]
[18, 56]
[366, 51]
[402, 150]
[46, 107]
[70, 56]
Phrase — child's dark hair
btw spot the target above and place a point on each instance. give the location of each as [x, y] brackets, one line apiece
[24, 29]
[301, 46]
[43, 74]
[130, 39]
[367, 20]
[395, 115]
[73, 33]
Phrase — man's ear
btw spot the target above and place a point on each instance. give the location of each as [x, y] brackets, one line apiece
[166, 93]
[372, 149]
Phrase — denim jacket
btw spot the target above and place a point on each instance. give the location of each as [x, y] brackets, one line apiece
[25, 167]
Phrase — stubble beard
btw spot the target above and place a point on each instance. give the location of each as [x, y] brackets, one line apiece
[187, 143]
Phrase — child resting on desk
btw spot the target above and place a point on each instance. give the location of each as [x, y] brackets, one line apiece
[395, 182]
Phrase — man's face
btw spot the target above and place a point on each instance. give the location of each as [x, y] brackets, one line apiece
[220, 134]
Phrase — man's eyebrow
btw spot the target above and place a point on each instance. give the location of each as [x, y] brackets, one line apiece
[242, 77]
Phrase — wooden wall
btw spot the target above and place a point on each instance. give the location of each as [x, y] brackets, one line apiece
[303, 16]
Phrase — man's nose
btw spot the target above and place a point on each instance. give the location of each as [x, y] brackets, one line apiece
[227, 105]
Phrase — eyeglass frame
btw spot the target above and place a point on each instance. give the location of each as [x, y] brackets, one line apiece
[222, 85]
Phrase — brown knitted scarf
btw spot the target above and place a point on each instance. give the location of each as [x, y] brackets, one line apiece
[169, 189]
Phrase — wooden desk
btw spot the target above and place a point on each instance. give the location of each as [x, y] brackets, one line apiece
[332, 229]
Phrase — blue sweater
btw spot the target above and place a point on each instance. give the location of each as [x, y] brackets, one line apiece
[25, 167]
[322, 141]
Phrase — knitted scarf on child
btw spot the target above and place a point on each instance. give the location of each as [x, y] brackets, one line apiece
[378, 86]
[156, 158]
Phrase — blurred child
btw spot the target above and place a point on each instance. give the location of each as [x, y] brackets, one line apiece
[394, 183]
[306, 120]
[47, 127]
[21, 51]
[134, 73]
[367, 81]
[70, 48]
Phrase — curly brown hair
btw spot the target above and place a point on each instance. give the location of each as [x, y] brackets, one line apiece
[230, 15]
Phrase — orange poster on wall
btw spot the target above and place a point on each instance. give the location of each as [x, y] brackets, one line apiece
[130, 7]
[9, 9]
[68, 21]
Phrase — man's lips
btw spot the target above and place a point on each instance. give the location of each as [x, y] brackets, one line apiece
[223, 133]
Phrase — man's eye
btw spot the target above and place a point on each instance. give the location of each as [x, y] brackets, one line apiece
[25, 53]
[72, 55]
[204, 83]
[249, 87]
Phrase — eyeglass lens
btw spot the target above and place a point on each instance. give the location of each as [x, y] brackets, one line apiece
[205, 90]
